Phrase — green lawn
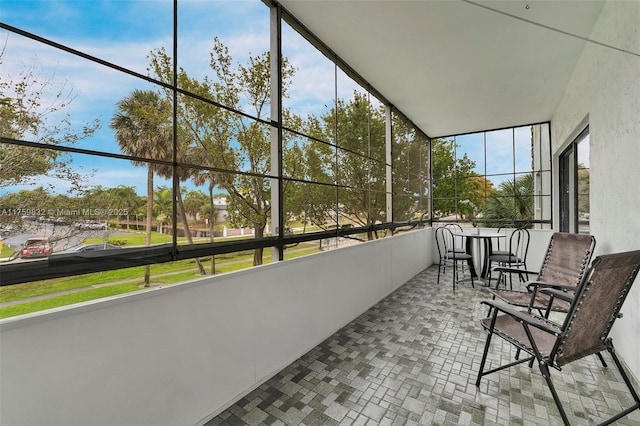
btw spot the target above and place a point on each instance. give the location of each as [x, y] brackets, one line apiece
[67, 299]
[126, 280]
[133, 238]
[6, 251]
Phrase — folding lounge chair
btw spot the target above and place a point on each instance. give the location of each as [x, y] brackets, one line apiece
[565, 262]
[585, 331]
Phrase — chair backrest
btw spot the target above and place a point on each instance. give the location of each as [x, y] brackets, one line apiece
[519, 243]
[458, 241]
[454, 227]
[497, 242]
[596, 306]
[567, 258]
[445, 241]
[440, 242]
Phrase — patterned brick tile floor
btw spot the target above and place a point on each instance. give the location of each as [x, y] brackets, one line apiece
[412, 360]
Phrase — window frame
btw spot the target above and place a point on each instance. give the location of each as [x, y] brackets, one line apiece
[568, 186]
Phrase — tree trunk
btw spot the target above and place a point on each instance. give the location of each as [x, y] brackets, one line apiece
[185, 223]
[212, 218]
[257, 253]
[147, 268]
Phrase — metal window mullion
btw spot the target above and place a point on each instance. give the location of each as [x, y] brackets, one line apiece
[388, 159]
[369, 162]
[277, 186]
[337, 157]
[551, 186]
[513, 163]
[174, 128]
[484, 151]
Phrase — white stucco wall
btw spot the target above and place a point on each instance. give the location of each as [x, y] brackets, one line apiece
[177, 355]
[604, 93]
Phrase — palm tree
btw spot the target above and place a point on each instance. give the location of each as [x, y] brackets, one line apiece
[142, 128]
[512, 202]
[163, 207]
[210, 178]
[125, 201]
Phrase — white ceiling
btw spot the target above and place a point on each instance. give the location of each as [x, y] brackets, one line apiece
[458, 66]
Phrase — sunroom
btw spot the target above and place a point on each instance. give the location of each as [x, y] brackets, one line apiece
[330, 137]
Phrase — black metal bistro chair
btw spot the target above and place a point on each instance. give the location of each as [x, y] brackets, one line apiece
[514, 258]
[458, 242]
[449, 256]
[585, 330]
[497, 243]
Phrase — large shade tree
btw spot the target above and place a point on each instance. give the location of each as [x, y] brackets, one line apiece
[33, 108]
[232, 151]
[454, 180]
[311, 197]
[411, 182]
[356, 163]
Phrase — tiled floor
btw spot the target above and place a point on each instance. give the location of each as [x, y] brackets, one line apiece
[413, 360]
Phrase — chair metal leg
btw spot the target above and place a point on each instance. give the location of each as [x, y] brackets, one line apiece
[455, 274]
[544, 369]
[609, 344]
[498, 280]
[481, 370]
[604, 363]
[484, 358]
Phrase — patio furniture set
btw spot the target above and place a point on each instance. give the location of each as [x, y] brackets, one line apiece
[584, 297]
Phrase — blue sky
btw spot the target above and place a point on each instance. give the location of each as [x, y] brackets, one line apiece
[124, 32]
[499, 158]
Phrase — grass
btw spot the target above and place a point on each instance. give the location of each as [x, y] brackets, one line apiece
[6, 251]
[125, 280]
[133, 238]
[38, 288]
[67, 299]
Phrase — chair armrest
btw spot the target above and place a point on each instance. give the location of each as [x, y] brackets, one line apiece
[507, 269]
[541, 284]
[558, 294]
[524, 318]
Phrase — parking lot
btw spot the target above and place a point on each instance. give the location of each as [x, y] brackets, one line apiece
[60, 237]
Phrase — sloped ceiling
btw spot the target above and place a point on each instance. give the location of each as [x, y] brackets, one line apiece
[458, 66]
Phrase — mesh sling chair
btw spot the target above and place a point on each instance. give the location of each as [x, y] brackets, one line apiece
[564, 264]
[594, 309]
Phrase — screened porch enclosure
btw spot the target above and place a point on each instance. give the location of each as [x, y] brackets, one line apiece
[229, 188]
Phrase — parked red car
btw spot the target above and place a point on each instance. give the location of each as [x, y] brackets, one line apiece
[36, 247]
